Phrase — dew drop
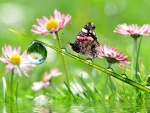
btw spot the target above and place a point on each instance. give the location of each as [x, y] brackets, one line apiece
[124, 75]
[110, 69]
[90, 61]
[36, 53]
[64, 50]
[147, 87]
[148, 80]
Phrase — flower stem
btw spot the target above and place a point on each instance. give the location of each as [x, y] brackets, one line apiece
[137, 65]
[11, 84]
[58, 91]
[106, 81]
[105, 85]
[133, 58]
[133, 66]
[63, 59]
[111, 84]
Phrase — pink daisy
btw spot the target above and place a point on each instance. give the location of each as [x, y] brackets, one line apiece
[112, 56]
[14, 61]
[133, 30]
[46, 79]
[53, 24]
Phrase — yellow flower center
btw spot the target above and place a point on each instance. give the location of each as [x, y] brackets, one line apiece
[15, 59]
[132, 29]
[35, 57]
[51, 24]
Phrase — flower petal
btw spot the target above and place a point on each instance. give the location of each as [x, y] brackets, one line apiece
[62, 19]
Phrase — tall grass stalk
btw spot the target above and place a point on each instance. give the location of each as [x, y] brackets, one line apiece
[90, 93]
[70, 91]
[117, 76]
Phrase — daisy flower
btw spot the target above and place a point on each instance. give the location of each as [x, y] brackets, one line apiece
[36, 58]
[39, 85]
[112, 56]
[54, 72]
[133, 30]
[15, 61]
[53, 24]
[46, 79]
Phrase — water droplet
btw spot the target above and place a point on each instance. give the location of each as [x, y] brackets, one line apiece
[36, 53]
[110, 69]
[64, 50]
[148, 80]
[147, 87]
[89, 60]
[124, 75]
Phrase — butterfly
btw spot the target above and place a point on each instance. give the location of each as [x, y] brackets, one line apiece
[86, 42]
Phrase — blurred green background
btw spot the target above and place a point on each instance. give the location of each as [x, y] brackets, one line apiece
[105, 14]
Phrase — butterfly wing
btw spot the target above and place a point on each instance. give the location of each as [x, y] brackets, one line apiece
[86, 42]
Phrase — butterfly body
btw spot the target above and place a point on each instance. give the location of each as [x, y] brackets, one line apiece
[86, 42]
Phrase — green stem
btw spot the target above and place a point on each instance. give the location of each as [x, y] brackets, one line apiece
[64, 63]
[118, 76]
[11, 84]
[70, 91]
[16, 92]
[58, 91]
[106, 81]
[133, 65]
[105, 85]
[137, 57]
[133, 58]
[63, 59]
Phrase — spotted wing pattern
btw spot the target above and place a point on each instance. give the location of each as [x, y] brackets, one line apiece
[86, 42]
